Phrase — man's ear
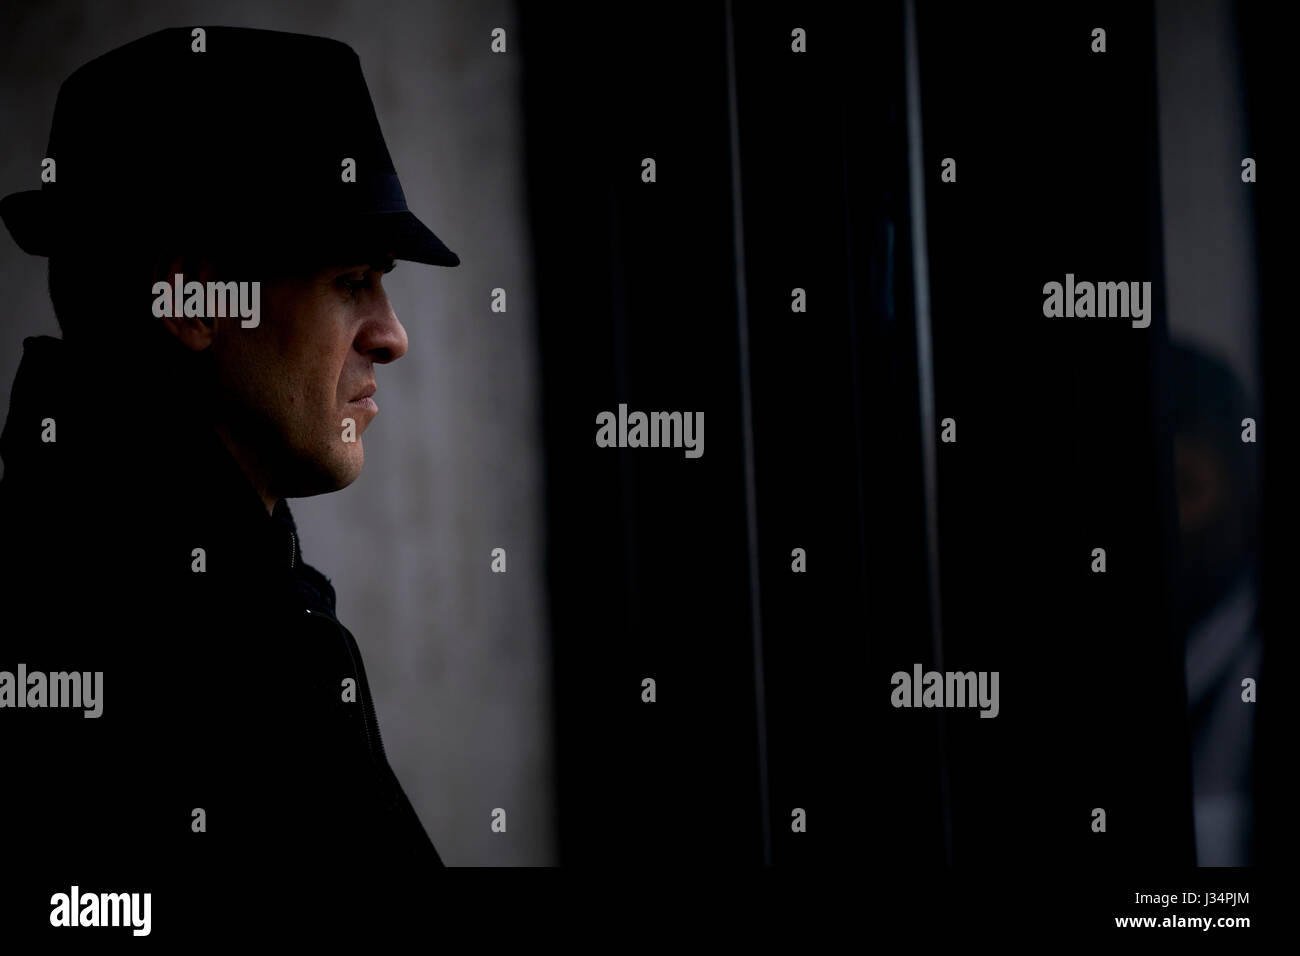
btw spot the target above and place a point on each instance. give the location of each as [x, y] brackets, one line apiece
[195, 333]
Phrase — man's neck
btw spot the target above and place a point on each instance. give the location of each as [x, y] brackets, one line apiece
[252, 467]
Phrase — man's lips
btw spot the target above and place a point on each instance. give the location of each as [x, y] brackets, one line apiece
[365, 400]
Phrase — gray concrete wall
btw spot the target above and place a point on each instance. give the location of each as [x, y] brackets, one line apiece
[457, 656]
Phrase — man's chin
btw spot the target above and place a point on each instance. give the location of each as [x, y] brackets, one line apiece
[322, 478]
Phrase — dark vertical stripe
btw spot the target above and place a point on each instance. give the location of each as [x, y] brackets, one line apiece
[925, 385]
[747, 438]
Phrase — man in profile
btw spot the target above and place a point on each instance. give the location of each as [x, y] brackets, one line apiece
[218, 207]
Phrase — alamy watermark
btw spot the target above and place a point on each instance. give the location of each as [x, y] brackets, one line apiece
[653, 430]
[208, 300]
[1086, 300]
[946, 689]
[75, 908]
[72, 689]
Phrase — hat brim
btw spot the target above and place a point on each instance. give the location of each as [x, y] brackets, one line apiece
[40, 231]
[402, 235]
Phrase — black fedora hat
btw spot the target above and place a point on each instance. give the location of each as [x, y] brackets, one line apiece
[220, 139]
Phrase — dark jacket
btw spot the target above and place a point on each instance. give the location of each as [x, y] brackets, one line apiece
[225, 685]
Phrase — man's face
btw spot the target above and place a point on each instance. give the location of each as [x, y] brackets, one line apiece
[290, 386]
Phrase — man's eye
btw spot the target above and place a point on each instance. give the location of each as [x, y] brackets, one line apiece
[353, 286]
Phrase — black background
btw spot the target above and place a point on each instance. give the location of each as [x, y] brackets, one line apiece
[1063, 441]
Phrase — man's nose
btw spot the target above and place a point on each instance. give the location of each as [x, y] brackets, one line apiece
[382, 337]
